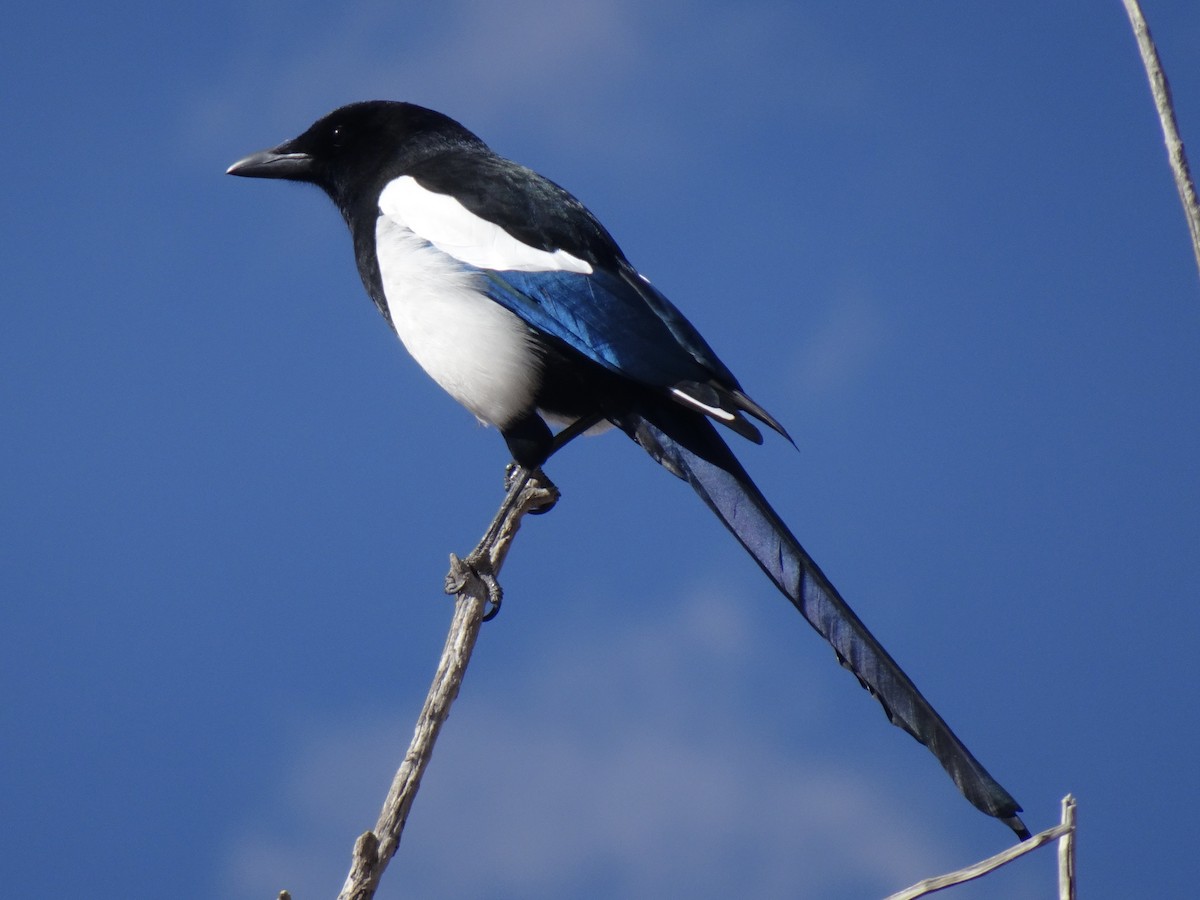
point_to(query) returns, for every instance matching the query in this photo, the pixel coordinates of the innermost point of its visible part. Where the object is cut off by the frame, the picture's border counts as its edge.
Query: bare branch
(970, 873)
(473, 583)
(1166, 115)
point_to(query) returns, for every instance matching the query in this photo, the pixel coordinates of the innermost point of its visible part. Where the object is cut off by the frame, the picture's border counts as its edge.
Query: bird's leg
(560, 440)
(516, 476)
(477, 565)
(572, 431)
(479, 562)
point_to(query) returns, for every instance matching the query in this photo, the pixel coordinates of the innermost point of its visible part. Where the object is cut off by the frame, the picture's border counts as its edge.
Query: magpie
(514, 298)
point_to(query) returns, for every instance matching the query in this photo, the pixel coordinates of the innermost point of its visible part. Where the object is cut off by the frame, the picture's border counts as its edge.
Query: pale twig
(374, 849)
(1066, 852)
(1166, 116)
(930, 885)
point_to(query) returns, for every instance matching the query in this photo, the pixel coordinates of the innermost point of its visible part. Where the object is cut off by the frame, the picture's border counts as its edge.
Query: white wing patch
(715, 411)
(458, 232)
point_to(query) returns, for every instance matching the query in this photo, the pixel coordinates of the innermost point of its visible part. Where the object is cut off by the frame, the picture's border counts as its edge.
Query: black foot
(463, 570)
(511, 474)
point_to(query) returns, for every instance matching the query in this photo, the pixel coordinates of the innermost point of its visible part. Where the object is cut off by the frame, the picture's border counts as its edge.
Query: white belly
(479, 352)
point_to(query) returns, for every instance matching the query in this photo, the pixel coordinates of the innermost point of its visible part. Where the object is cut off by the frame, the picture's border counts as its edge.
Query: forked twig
(1064, 831)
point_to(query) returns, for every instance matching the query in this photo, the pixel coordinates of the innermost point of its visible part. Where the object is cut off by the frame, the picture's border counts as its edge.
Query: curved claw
(495, 610)
(480, 568)
(545, 508)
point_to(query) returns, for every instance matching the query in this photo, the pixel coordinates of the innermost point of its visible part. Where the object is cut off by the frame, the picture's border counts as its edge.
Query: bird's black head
(352, 152)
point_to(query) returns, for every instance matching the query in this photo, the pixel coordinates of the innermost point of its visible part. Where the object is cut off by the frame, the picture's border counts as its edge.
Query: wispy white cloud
(843, 346)
(563, 70)
(604, 775)
(478, 60)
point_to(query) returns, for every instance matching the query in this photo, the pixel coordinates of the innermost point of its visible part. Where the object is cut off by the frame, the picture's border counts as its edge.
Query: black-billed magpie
(518, 302)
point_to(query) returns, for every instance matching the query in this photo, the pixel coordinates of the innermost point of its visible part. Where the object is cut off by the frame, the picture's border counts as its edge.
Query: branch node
(473, 583)
(459, 576)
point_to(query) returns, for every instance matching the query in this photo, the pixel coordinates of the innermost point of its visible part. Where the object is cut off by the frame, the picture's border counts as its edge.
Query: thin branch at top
(1166, 115)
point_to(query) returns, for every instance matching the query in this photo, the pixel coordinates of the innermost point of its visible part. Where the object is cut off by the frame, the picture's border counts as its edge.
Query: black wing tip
(745, 404)
(728, 406)
(744, 427)
(1014, 822)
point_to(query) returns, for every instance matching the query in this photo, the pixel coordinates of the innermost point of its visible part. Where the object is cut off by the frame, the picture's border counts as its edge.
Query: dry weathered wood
(1161, 90)
(969, 873)
(469, 582)
(1066, 852)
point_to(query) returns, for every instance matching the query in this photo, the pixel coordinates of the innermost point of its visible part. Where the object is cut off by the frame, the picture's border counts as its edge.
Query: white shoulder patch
(455, 230)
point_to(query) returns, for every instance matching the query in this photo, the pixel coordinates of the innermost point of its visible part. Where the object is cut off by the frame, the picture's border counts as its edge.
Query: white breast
(479, 352)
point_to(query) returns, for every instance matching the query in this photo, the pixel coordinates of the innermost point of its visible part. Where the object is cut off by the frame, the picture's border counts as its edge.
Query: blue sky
(939, 241)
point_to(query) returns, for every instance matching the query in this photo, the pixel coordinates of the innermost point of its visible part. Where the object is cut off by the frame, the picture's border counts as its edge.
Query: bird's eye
(338, 136)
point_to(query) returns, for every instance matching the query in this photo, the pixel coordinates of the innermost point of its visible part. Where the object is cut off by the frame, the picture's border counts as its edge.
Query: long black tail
(689, 446)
